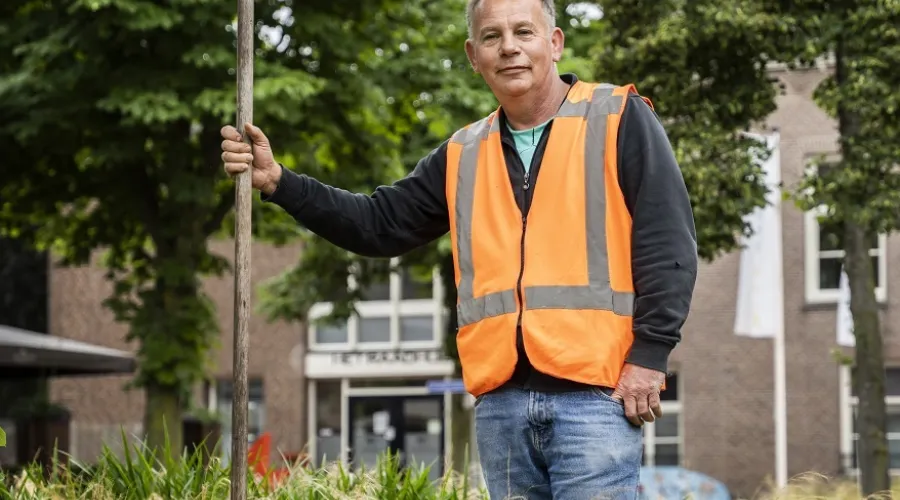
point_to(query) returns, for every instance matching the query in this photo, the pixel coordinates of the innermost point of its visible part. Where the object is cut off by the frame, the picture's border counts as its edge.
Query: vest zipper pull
(525, 187)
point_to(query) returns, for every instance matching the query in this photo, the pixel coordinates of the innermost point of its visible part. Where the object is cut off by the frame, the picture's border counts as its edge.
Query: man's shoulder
(583, 89)
(470, 131)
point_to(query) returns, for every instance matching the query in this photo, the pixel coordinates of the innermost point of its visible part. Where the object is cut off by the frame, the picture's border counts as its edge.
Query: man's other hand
(238, 155)
(638, 389)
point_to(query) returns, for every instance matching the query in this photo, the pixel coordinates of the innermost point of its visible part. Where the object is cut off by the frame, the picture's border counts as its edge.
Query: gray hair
(547, 5)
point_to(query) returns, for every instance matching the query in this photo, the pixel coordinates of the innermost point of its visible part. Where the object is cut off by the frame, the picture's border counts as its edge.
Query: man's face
(513, 46)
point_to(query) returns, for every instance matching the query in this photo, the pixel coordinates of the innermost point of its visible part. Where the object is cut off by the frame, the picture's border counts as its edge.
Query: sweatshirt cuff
(288, 193)
(649, 354)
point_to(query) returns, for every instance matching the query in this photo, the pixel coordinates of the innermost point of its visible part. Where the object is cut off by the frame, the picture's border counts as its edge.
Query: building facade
(380, 381)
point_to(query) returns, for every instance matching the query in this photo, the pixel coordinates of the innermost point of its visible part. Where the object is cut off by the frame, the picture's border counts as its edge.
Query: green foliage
(129, 166)
(863, 185)
(704, 68)
(2, 437)
(140, 475)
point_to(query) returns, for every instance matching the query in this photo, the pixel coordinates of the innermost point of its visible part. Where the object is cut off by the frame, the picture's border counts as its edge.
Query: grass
(815, 486)
(138, 475)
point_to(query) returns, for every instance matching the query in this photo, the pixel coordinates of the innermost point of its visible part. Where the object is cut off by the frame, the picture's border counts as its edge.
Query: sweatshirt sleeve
(664, 242)
(389, 222)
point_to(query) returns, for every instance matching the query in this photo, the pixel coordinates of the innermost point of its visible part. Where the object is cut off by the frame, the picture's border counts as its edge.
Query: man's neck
(532, 109)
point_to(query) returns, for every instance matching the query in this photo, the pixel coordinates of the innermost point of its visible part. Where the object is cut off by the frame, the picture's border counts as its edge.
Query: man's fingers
(231, 133)
(236, 168)
(631, 412)
(254, 132)
(655, 405)
(229, 157)
(643, 409)
(236, 146)
(617, 395)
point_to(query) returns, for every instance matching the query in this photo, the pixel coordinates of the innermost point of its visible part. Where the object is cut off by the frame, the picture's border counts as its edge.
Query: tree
(112, 112)
(859, 194)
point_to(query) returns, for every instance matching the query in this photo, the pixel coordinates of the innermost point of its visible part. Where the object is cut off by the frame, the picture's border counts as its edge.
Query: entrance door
(409, 426)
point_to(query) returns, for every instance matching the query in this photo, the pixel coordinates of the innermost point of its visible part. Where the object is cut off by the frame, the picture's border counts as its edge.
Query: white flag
(760, 298)
(845, 336)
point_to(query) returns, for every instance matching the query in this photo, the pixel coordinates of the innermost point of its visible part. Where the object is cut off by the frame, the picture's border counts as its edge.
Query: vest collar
(506, 136)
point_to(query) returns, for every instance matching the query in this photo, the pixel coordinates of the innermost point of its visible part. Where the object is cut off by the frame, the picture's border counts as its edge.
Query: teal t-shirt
(527, 141)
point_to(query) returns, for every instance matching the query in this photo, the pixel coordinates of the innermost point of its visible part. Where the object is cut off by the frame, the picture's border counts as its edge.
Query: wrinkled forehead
(483, 14)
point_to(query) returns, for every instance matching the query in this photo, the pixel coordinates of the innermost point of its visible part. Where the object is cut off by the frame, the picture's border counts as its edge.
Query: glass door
(411, 427)
(423, 437)
(373, 430)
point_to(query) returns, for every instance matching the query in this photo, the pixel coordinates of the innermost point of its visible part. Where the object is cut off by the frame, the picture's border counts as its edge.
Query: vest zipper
(522, 250)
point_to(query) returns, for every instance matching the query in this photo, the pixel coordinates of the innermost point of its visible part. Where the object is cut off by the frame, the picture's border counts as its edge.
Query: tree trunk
(162, 421)
(869, 373)
(461, 430)
(872, 450)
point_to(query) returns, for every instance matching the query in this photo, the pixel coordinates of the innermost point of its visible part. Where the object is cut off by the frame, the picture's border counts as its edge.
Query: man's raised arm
(389, 222)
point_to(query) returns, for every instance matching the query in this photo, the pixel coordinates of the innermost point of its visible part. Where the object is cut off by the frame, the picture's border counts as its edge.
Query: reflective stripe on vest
(558, 273)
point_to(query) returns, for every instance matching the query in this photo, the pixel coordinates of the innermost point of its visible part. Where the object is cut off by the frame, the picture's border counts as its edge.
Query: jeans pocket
(605, 394)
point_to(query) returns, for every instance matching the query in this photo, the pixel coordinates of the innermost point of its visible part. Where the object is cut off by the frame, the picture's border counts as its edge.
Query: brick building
(718, 413)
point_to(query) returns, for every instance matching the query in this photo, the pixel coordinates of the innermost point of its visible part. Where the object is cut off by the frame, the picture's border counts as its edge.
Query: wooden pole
(242, 206)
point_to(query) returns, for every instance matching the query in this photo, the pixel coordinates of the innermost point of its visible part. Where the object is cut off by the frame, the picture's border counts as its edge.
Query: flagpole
(760, 309)
(778, 356)
(780, 410)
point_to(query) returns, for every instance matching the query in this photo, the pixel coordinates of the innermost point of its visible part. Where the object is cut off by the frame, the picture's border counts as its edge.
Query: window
(848, 417)
(850, 436)
(824, 259)
(331, 333)
(256, 411)
(404, 312)
(663, 439)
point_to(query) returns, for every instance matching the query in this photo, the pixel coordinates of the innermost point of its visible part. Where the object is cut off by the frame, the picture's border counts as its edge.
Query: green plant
(139, 474)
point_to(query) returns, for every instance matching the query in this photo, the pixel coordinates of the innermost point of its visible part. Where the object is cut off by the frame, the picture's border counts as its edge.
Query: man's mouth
(514, 69)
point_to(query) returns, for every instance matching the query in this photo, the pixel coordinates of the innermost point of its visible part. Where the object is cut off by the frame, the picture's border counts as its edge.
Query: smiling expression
(513, 46)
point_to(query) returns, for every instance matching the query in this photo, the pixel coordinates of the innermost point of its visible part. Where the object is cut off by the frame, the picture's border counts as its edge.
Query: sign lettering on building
(405, 356)
(431, 363)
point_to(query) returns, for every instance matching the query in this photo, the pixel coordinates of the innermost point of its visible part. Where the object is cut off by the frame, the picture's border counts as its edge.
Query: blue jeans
(566, 445)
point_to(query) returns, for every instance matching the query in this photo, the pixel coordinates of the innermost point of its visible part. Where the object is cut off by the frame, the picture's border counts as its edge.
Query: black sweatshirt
(413, 212)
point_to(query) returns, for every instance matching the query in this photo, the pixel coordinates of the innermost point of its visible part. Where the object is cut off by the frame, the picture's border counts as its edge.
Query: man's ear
(470, 53)
(558, 41)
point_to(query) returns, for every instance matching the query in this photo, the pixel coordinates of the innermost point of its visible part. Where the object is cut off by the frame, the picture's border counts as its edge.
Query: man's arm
(664, 241)
(390, 222)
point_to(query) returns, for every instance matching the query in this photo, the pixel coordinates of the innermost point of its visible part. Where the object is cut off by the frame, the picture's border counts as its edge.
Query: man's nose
(509, 45)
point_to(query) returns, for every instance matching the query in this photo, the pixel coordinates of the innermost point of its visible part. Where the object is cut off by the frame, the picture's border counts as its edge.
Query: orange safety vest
(564, 273)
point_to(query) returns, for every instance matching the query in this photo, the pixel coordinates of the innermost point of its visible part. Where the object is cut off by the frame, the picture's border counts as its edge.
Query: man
(574, 251)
